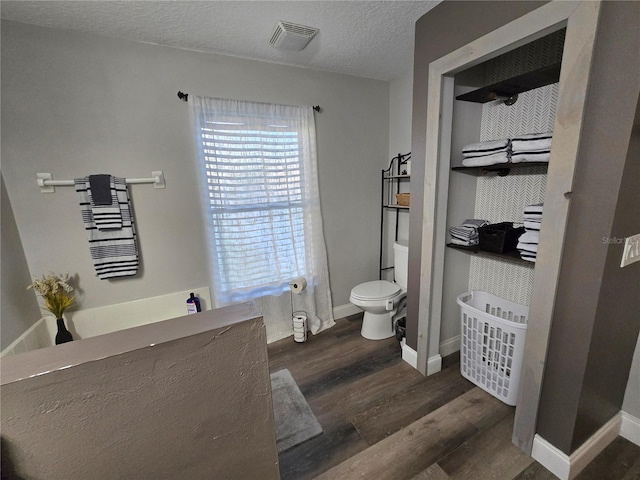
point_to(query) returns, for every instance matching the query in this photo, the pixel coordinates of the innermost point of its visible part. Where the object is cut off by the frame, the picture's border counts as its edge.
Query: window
(256, 195)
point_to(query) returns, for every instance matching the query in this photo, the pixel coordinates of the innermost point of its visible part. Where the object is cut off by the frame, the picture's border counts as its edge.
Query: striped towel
(485, 148)
(486, 160)
(114, 251)
(105, 208)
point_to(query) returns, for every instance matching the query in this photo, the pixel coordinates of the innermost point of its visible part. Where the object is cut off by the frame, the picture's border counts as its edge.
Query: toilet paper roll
(297, 285)
(300, 328)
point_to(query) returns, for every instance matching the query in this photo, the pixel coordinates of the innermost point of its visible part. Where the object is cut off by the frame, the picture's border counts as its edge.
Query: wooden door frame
(580, 20)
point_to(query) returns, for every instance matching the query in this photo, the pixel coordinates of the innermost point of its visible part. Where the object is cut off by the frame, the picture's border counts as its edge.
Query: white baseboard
(342, 311)
(409, 355)
(450, 346)
(434, 365)
(630, 428)
(566, 466)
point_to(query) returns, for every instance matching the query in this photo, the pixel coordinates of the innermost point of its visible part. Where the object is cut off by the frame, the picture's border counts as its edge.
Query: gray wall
(448, 26)
(75, 104)
(114, 407)
(595, 324)
(19, 308)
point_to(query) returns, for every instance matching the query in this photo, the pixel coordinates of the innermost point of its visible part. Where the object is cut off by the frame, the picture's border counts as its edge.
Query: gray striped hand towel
(105, 203)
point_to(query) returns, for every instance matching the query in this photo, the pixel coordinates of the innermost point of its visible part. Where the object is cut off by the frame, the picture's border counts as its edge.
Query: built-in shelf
(512, 256)
(515, 85)
(500, 168)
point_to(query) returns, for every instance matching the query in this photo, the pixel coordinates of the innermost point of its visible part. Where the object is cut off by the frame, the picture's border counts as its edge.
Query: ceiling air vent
(290, 36)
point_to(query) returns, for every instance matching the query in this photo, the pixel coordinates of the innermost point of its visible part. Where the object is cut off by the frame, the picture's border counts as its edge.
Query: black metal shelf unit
(391, 179)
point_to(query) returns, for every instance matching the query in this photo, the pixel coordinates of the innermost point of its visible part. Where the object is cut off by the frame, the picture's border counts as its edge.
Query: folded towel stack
(466, 235)
(486, 153)
(534, 147)
(528, 241)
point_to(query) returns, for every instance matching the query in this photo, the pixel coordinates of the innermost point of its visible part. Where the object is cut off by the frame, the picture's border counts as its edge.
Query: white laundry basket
(492, 337)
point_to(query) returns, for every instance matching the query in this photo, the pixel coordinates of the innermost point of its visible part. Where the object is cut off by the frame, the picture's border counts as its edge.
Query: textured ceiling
(372, 39)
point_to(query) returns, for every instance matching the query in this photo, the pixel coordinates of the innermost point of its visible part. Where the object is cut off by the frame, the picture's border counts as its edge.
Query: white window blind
(256, 202)
(258, 176)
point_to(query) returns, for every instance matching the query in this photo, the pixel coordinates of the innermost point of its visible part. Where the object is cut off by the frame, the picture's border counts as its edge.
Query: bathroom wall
(185, 398)
(19, 308)
(75, 104)
(400, 91)
(595, 323)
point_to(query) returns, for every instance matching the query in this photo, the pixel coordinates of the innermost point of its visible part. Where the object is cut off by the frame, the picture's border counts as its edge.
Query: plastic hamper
(493, 332)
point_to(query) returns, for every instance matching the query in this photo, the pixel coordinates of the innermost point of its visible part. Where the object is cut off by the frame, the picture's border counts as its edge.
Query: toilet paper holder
(299, 318)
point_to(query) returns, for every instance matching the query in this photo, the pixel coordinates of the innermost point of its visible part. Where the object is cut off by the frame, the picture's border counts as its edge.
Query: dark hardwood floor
(381, 419)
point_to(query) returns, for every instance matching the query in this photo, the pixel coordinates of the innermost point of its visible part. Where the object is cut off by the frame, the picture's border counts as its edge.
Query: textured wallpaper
(500, 199)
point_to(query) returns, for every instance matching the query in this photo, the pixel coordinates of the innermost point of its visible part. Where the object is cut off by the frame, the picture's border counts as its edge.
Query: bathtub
(86, 323)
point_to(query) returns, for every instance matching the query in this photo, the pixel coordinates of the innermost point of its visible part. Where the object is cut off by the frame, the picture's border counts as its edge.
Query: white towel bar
(47, 184)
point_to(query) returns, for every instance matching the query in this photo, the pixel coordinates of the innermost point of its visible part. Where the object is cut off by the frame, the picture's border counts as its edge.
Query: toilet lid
(376, 290)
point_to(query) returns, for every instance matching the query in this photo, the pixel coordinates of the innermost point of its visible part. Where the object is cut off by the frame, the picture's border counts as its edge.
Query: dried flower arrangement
(56, 292)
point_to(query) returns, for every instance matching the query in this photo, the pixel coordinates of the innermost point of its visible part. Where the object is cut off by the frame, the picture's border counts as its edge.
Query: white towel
(486, 160)
(530, 236)
(527, 247)
(527, 257)
(463, 243)
(539, 144)
(532, 225)
(534, 208)
(114, 252)
(527, 157)
(485, 148)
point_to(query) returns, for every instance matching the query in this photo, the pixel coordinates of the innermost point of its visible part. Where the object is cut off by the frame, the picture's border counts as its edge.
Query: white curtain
(261, 205)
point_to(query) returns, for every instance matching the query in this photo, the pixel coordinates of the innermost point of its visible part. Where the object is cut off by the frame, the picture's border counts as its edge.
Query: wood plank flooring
(381, 419)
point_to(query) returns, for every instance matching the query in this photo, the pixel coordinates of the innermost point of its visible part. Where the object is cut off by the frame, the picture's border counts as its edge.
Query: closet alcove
(556, 32)
(498, 193)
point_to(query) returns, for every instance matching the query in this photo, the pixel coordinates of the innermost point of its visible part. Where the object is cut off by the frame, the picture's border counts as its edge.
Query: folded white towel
(529, 258)
(527, 157)
(533, 136)
(463, 243)
(534, 208)
(475, 222)
(531, 145)
(485, 161)
(527, 247)
(530, 236)
(532, 225)
(485, 148)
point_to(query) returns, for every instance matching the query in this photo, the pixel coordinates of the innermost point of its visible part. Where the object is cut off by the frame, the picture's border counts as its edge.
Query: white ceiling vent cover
(290, 36)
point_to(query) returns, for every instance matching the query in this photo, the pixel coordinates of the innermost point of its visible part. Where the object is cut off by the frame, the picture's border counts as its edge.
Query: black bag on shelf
(499, 237)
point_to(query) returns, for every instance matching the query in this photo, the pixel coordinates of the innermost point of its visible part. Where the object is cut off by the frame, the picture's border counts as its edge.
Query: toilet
(383, 302)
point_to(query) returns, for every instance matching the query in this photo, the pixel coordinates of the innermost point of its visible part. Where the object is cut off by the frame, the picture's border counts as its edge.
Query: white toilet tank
(401, 263)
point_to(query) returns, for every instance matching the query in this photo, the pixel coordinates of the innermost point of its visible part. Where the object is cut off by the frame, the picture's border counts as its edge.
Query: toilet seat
(376, 290)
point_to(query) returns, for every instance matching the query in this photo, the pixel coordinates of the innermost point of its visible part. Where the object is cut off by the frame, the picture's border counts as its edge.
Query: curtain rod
(185, 97)
(47, 184)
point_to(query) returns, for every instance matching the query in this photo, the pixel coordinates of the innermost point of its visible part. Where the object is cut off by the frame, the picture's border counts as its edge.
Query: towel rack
(47, 184)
